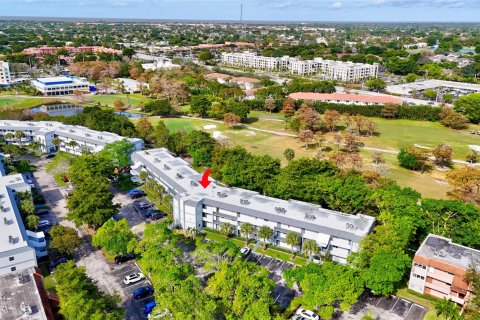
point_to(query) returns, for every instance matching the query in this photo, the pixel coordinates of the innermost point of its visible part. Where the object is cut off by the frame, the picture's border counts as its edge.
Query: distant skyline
(256, 10)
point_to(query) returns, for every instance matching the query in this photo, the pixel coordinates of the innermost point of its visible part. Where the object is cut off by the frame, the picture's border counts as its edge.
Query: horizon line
(231, 21)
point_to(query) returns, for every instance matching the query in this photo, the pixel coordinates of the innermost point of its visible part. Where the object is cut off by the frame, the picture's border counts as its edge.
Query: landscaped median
(240, 242)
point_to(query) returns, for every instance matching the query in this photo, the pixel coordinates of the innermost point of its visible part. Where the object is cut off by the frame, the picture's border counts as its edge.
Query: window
(418, 276)
(420, 266)
(13, 268)
(11, 258)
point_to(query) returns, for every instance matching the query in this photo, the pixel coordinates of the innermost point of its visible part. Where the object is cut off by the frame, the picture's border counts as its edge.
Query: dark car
(143, 205)
(50, 155)
(123, 258)
(149, 307)
(55, 262)
(156, 215)
(42, 212)
(147, 213)
(136, 193)
(142, 292)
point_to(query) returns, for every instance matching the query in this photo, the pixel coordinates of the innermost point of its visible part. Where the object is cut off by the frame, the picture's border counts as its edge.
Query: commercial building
(458, 88)
(346, 98)
(196, 207)
(57, 86)
(72, 139)
(325, 69)
(4, 73)
(439, 269)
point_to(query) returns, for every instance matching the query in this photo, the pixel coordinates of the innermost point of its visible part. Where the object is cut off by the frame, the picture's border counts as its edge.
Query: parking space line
(131, 271)
(395, 304)
(280, 267)
(268, 265)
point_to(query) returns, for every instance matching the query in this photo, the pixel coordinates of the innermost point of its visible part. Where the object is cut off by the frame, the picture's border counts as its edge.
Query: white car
(316, 259)
(307, 314)
(245, 251)
(134, 277)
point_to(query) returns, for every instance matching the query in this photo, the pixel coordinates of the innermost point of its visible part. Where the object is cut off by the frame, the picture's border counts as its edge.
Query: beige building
(4, 73)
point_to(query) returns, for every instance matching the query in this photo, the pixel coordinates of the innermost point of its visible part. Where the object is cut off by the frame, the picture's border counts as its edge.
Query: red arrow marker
(205, 182)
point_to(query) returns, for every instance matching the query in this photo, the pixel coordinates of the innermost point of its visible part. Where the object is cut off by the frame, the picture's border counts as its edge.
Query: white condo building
(4, 73)
(19, 248)
(195, 207)
(73, 139)
(325, 69)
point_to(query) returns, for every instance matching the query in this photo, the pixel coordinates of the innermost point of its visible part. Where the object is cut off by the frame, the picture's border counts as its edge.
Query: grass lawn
(282, 256)
(134, 100)
(23, 102)
(431, 314)
(47, 277)
(58, 167)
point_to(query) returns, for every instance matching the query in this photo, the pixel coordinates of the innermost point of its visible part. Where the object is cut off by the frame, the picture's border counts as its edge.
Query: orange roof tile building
(346, 98)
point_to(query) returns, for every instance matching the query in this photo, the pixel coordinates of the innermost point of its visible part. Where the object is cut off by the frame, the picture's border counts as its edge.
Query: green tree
(56, 142)
(265, 233)
(160, 135)
(80, 299)
(64, 239)
(158, 107)
(118, 153)
(293, 240)
(144, 128)
(289, 154)
(412, 158)
(205, 56)
(247, 230)
(430, 94)
(114, 236)
(200, 105)
(469, 106)
(448, 310)
(310, 247)
(376, 84)
(200, 146)
(33, 221)
(226, 229)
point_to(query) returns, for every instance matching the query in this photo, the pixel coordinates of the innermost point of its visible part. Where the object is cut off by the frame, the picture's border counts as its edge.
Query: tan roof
(344, 97)
(244, 80)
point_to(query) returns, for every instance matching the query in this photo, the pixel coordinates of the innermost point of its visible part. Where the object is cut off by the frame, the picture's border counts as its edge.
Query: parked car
(156, 215)
(144, 205)
(50, 156)
(316, 259)
(149, 307)
(147, 213)
(142, 292)
(136, 193)
(55, 262)
(44, 225)
(42, 212)
(123, 258)
(245, 251)
(134, 277)
(307, 314)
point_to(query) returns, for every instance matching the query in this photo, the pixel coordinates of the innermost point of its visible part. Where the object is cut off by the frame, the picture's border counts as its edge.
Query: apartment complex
(439, 269)
(4, 73)
(57, 86)
(325, 69)
(72, 139)
(346, 98)
(41, 51)
(196, 207)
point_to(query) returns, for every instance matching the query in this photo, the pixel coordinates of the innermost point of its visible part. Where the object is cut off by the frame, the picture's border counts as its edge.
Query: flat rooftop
(407, 88)
(64, 130)
(444, 250)
(178, 173)
(18, 294)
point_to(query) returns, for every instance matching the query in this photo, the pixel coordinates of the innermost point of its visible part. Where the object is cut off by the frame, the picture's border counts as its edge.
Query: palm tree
(19, 135)
(34, 145)
(33, 221)
(289, 154)
(226, 229)
(9, 136)
(56, 142)
(265, 233)
(448, 309)
(72, 144)
(310, 247)
(292, 240)
(246, 229)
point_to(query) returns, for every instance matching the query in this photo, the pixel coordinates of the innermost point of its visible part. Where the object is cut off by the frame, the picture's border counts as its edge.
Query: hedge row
(421, 112)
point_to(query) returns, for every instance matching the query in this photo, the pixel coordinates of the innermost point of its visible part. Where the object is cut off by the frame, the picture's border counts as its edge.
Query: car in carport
(142, 292)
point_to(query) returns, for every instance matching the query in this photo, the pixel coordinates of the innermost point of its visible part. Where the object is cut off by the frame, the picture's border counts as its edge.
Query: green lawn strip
(425, 301)
(214, 236)
(59, 180)
(47, 277)
(30, 102)
(133, 100)
(282, 255)
(266, 115)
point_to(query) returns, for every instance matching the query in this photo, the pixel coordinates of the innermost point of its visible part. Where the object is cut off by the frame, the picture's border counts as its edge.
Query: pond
(129, 114)
(58, 109)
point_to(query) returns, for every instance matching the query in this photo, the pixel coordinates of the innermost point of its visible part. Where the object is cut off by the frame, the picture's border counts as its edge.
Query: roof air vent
(157, 160)
(310, 216)
(244, 202)
(280, 210)
(221, 194)
(166, 167)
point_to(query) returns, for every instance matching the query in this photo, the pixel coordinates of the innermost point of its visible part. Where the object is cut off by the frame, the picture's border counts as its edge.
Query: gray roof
(295, 213)
(443, 249)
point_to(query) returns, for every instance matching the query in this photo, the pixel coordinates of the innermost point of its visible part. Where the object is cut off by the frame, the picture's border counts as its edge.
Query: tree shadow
(250, 120)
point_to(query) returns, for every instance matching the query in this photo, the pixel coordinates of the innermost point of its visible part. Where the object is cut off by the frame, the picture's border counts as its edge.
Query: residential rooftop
(345, 97)
(20, 297)
(444, 250)
(177, 173)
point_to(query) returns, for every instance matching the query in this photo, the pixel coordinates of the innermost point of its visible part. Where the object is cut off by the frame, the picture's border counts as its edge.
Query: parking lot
(134, 306)
(282, 293)
(384, 308)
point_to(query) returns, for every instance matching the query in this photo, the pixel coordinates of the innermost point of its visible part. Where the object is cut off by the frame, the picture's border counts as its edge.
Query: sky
(263, 10)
